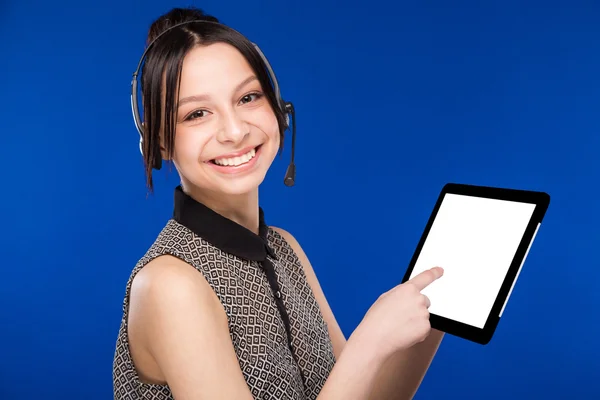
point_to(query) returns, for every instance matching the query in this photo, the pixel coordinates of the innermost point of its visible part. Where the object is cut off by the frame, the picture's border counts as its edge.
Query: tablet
(480, 236)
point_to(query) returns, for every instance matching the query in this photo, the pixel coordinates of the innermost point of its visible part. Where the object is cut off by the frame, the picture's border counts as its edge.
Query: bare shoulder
(337, 337)
(164, 289)
(168, 278)
(161, 294)
(179, 333)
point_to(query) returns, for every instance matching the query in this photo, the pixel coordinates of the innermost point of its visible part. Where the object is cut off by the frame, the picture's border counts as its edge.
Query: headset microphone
(290, 174)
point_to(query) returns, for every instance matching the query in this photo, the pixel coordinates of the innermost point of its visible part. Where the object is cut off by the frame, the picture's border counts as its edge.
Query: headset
(286, 107)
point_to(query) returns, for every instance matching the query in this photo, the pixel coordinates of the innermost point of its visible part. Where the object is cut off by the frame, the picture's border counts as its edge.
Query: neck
(242, 209)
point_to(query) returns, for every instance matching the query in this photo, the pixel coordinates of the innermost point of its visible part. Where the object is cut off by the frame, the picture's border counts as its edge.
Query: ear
(163, 154)
(163, 150)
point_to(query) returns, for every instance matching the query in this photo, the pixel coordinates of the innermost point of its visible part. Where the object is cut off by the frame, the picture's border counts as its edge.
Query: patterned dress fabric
(278, 332)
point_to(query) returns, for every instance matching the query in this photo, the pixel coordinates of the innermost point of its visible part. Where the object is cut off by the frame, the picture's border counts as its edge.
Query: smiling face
(227, 134)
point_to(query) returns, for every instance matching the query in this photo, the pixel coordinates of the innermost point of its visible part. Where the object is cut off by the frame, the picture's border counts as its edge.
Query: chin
(241, 186)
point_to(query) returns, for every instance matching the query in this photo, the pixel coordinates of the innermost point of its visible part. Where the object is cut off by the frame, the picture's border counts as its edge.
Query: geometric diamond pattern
(255, 326)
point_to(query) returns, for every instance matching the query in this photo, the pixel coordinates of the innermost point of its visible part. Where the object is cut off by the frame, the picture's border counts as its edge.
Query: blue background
(392, 100)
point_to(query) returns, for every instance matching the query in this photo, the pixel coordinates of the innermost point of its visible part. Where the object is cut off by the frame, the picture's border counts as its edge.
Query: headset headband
(286, 107)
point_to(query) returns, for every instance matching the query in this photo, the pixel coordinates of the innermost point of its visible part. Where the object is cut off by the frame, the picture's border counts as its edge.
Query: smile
(237, 165)
(236, 161)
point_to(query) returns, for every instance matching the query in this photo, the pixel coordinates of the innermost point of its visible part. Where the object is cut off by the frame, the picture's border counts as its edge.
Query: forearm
(402, 373)
(355, 372)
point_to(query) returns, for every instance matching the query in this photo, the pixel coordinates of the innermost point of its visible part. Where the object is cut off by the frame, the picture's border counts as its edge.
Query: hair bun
(177, 16)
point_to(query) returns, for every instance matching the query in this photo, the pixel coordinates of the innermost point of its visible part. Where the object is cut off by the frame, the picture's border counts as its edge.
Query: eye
(195, 115)
(249, 97)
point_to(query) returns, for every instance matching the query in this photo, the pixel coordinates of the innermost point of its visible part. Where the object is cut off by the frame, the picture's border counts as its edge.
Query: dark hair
(161, 75)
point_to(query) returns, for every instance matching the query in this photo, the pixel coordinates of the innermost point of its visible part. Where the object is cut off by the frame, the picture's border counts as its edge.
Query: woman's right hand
(399, 318)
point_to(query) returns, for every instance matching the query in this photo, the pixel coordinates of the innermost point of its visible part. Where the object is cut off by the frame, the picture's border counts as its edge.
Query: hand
(399, 319)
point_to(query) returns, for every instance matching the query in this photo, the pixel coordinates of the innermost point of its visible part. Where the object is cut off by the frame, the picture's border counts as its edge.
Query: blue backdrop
(392, 100)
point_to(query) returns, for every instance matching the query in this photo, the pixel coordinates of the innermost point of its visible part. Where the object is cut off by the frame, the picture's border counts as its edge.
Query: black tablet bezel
(541, 201)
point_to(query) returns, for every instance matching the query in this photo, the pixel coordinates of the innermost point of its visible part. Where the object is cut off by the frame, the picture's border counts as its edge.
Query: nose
(233, 128)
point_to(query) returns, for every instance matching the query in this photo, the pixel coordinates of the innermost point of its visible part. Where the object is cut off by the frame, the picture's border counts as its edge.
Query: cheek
(273, 129)
(265, 120)
(188, 147)
(279, 134)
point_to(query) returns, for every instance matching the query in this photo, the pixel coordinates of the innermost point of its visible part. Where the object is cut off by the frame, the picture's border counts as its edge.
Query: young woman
(224, 306)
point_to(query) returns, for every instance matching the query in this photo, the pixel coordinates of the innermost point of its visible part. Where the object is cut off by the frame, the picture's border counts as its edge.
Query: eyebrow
(203, 97)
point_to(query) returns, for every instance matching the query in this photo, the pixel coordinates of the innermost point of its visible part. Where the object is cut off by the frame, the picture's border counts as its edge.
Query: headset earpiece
(287, 110)
(141, 138)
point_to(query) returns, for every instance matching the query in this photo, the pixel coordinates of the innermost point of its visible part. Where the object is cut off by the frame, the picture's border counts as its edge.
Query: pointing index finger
(427, 277)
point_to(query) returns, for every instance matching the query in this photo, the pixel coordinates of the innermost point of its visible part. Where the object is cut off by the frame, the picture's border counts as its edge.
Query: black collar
(220, 231)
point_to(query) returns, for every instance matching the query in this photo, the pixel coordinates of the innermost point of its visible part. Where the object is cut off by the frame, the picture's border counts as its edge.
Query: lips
(236, 161)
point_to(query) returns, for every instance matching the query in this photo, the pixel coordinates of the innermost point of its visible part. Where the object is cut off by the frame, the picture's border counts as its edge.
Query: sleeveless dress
(275, 324)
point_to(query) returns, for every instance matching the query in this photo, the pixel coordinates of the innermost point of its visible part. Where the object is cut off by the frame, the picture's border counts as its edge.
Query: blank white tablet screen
(474, 240)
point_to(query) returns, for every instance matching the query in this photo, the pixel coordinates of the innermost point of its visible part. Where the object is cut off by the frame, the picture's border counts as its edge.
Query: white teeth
(236, 161)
